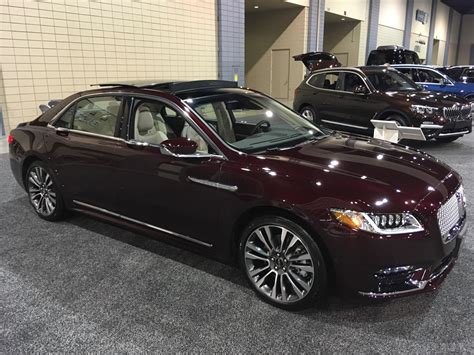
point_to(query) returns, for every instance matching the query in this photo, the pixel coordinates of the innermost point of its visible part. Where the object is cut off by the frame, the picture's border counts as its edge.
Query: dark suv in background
(392, 55)
(349, 98)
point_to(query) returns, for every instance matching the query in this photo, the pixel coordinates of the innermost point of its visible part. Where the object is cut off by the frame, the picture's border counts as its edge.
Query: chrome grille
(450, 213)
(457, 113)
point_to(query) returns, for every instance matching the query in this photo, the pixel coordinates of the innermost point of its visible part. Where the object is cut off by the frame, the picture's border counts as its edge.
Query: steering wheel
(263, 125)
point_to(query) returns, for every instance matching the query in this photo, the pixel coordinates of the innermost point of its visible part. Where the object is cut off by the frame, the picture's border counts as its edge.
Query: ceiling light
(256, 7)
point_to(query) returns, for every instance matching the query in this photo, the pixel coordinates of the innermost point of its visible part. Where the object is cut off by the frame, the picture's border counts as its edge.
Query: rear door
(84, 149)
(325, 97)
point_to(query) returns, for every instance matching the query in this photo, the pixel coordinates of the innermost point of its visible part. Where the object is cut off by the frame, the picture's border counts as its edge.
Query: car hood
(363, 173)
(429, 98)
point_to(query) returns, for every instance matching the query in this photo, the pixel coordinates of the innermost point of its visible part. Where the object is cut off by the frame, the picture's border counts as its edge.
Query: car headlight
(423, 110)
(379, 223)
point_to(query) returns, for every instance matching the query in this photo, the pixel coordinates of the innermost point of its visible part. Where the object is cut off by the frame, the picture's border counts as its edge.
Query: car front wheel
(283, 263)
(43, 192)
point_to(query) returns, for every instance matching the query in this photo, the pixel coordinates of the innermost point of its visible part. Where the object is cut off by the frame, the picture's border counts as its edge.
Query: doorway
(434, 58)
(280, 73)
(342, 38)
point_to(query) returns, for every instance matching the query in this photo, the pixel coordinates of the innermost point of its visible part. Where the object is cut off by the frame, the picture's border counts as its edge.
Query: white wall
(420, 31)
(466, 39)
(391, 22)
(343, 37)
(48, 51)
(392, 13)
(272, 30)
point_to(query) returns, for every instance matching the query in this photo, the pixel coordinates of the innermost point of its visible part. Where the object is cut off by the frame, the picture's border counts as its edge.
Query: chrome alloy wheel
(279, 264)
(40, 190)
(308, 114)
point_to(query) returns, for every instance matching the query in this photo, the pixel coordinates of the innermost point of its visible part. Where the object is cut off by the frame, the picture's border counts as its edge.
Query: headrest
(145, 121)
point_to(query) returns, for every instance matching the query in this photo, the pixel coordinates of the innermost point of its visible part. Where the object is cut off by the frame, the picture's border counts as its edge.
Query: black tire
(397, 118)
(309, 113)
(288, 264)
(43, 192)
(447, 139)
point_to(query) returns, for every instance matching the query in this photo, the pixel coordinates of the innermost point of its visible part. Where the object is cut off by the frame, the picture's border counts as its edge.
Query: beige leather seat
(190, 133)
(145, 130)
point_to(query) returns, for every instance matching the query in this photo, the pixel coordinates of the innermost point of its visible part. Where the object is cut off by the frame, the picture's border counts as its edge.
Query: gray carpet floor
(82, 285)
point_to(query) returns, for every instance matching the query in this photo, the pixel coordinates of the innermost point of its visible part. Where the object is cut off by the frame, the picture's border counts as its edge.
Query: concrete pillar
(316, 25)
(408, 24)
(448, 37)
(429, 49)
(231, 40)
(373, 26)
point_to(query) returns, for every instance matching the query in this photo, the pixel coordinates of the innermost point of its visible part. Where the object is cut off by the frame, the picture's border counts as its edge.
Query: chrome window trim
(73, 102)
(217, 185)
(344, 124)
(131, 141)
(85, 133)
(185, 116)
(326, 71)
(151, 226)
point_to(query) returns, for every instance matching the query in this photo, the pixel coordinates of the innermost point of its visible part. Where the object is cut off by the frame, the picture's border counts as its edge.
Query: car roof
(171, 86)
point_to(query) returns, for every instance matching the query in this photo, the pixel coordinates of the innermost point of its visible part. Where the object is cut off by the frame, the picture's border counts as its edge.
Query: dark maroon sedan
(233, 174)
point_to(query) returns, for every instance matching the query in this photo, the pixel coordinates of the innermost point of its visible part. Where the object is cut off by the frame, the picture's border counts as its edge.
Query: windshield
(391, 80)
(252, 122)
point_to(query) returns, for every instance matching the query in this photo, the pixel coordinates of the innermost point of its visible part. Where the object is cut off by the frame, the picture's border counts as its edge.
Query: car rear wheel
(282, 263)
(309, 113)
(43, 193)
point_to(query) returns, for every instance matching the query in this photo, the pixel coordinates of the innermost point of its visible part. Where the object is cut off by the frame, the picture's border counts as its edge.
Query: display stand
(391, 131)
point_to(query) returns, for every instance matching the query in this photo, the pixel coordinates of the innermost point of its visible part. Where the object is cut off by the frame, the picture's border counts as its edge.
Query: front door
(172, 194)
(85, 150)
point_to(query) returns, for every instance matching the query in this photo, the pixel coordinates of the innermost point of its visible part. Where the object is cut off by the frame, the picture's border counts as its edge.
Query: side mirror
(178, 147)
(361, 90)
(446, 82)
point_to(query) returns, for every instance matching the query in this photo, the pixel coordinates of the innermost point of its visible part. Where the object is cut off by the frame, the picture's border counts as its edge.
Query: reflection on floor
(3, 145)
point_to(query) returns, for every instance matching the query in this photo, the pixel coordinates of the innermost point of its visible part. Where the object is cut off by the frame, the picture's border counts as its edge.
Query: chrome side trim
(151, 226)
(453, 134)
(344, 124)
(354, 71)
(430, 126)
(217, 185)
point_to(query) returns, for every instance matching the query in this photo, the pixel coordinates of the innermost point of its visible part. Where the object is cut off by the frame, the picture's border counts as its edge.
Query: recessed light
(343, 19)
(256, 7)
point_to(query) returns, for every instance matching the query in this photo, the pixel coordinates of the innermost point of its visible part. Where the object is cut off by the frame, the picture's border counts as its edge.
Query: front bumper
(450, 129)
(409, 279)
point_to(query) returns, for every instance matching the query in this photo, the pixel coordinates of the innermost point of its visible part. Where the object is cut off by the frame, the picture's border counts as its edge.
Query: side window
(97, 115)
(351, 81)
(330, 81)
(428, 76)
(155, 122)
(408, 72)
(317, 80)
